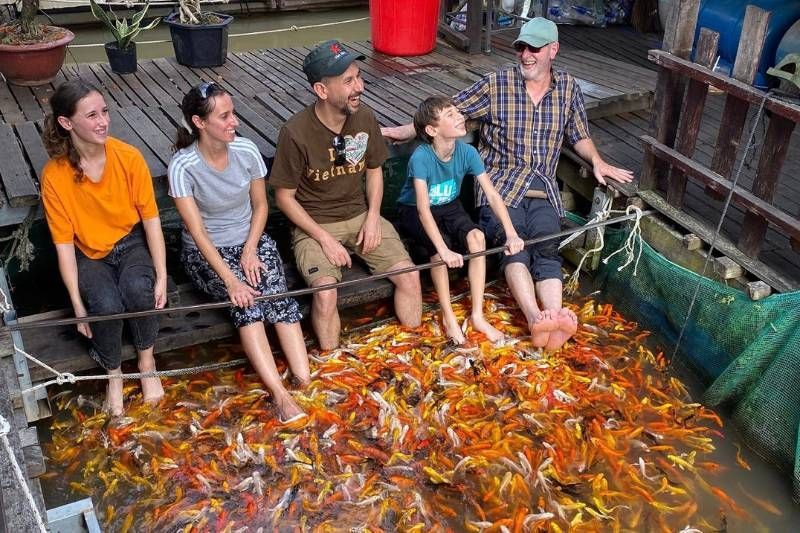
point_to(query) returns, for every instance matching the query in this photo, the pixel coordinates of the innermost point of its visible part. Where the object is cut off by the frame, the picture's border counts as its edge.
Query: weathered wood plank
(742, 197)
(691, 115)
(153, 137)
(8, 106)
(20, 188)
(773, 154)
(119, 129)
(33, 146)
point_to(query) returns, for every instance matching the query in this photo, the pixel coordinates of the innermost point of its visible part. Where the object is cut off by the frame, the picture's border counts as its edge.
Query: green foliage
(124, 32)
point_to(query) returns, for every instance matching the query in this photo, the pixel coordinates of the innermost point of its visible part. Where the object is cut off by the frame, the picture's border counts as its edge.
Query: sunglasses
(340, 149)
(521, 47)
(207, 89)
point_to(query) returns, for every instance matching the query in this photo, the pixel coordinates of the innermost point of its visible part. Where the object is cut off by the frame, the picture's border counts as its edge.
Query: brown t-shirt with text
(305, 158)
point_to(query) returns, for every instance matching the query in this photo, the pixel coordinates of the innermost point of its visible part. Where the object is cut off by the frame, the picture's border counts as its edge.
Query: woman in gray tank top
(218, 182)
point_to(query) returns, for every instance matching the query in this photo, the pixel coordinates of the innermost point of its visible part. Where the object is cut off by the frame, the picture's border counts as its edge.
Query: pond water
(334, 21)
(406, 432)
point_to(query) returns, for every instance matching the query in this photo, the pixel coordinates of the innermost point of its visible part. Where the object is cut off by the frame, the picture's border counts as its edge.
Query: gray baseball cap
(328, 58)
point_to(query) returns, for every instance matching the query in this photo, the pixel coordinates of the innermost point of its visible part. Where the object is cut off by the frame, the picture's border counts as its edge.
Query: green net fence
(745, 353)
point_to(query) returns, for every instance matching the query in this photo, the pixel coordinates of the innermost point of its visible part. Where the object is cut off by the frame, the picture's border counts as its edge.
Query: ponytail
(199, 102)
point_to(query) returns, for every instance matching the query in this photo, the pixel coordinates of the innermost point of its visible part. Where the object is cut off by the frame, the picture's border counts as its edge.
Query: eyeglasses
(521, 47)
(340, 149)
(207, 89)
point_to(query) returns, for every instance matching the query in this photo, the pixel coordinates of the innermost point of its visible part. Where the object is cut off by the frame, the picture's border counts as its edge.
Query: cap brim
(532, 41)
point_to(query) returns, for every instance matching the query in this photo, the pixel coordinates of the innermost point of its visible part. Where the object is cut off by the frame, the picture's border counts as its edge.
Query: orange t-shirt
(94, 216)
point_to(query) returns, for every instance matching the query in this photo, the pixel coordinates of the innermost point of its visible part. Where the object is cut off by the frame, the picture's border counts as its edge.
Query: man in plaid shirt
(524, 113)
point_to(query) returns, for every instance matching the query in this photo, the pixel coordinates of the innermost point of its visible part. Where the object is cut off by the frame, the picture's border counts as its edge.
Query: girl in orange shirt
(101, 210)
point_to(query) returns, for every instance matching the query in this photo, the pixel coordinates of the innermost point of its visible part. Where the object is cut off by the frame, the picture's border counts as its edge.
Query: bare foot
(113, 404)
(542, 327)
(479, 323)
(567, 326)
(453, 330)
(288, 410)
(152, 391)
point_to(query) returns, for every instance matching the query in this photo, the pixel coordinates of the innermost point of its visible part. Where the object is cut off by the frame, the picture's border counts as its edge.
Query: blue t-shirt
(443, 178)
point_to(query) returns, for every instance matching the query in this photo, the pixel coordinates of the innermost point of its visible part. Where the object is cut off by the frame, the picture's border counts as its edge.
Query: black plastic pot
(199, 45)
(121, 61)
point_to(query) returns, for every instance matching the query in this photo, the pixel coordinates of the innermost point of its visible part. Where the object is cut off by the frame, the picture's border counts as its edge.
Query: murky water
(407, 433)
(349, 31)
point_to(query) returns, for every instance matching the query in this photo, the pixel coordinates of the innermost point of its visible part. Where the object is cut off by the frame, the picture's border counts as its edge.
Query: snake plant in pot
(121, 52)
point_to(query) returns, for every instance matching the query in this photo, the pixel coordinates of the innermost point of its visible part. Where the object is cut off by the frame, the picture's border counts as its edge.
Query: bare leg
(441, 283)
(152, 391)
(254, 342)
(522, 288)
(407, 296)
(113, 404)
(477, 282)
(325, 315)
(290, 335)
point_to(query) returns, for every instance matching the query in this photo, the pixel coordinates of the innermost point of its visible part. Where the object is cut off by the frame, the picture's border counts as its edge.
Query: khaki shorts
(313, 264)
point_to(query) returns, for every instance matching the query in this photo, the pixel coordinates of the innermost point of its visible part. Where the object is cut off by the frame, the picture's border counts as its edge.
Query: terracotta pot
(34, 64)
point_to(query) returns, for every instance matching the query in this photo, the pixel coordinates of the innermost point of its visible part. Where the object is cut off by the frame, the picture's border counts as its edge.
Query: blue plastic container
(727, 18)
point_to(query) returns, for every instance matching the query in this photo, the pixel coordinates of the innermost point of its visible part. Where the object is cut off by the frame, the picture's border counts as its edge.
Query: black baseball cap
(329, 58)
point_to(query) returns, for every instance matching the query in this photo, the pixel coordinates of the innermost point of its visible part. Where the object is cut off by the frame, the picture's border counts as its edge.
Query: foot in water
(479, 323)
(152, 391)
(113, 404)
(288, 410)
(567, 326)
(453, 330)
(542, 327)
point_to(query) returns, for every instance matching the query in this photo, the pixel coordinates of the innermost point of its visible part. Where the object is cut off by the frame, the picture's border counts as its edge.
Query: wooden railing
(679, 103)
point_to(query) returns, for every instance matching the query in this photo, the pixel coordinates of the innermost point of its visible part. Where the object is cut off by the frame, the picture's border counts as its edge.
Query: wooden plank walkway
(268, 87)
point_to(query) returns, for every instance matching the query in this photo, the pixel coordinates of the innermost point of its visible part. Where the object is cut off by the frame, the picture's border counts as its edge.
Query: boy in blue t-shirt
(431, 214)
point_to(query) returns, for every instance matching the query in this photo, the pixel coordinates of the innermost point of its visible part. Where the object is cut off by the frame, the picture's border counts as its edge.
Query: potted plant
(199, 39)
(32, 53)
(121, 52)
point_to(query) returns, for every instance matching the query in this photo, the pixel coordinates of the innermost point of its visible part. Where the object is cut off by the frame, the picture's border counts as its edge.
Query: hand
(83, 327)
(603, 170)
(251, 266)
(452, 259)
(399, 134)
(370, 234)
(240, 293)
(335, 252)
(160, 292)
(514, 245)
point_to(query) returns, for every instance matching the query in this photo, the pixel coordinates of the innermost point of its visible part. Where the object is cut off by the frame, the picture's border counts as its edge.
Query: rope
(713, 243)
(628, 247)
(67, 377)
(5, 429)
(311, 290)
(246, 34)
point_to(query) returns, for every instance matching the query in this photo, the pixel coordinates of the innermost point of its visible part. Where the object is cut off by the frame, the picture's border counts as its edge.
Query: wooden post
(734, 116)
(678, 37)
(474, 24)
(773, 154)
(691, 115)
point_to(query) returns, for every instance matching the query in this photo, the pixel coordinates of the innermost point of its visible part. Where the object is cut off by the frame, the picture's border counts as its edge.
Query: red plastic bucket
(401, 28)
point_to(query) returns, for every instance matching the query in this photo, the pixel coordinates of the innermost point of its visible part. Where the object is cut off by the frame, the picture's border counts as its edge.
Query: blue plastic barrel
(727, 18)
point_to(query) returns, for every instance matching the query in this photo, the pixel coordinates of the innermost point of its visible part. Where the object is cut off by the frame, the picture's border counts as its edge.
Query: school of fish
(408, 433)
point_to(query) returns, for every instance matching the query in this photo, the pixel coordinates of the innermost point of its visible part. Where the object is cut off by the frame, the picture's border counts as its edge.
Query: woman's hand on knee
(240, 293)
(83, 327)
(251, 266)
(160, 293)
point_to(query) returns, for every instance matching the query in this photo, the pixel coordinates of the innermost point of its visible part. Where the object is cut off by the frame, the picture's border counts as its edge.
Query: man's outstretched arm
(602, 170)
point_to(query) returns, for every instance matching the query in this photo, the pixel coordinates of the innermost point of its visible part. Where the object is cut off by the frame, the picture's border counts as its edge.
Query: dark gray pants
(119, 282)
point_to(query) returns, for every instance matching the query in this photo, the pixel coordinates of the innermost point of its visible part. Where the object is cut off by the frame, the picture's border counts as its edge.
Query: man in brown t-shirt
(325, 152)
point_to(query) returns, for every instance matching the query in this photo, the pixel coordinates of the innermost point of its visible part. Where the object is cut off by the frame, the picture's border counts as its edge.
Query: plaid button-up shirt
(521, 142)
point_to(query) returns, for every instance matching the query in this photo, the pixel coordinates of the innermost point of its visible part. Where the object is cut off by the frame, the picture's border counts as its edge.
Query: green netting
(746, 353)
